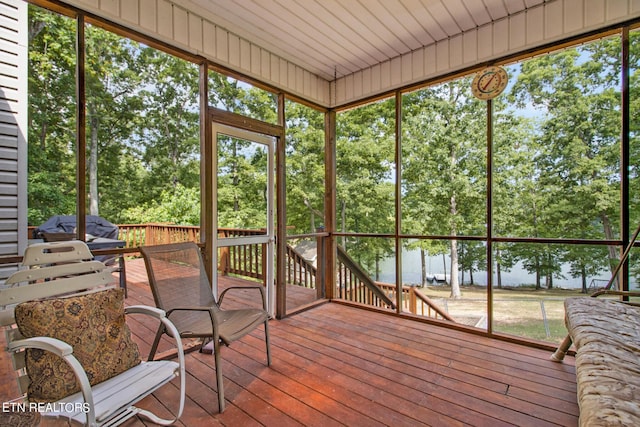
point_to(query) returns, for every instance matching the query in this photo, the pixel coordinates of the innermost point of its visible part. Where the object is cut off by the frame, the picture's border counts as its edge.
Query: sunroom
(410, 180)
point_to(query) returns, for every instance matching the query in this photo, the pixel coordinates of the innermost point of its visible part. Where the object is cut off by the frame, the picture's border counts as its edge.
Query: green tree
(634, 166)
(242, 165)
(444, 166)
(578, 151)
(515, 180)
(176, 205)
(364, 174)
(52, 122)
(242, 184)
(304, 168)
(168, 138)
(112, 79)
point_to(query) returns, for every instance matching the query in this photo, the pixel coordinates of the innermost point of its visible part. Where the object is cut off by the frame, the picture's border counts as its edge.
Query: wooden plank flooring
(340, 365)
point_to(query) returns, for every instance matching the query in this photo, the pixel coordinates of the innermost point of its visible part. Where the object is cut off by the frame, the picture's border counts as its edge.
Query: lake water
(516, 277)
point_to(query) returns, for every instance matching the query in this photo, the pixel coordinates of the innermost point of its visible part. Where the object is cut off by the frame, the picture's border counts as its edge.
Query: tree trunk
(236, 177)
(444, 266)
(312, 213)
(423, 268)
(94, 202)
(498, 271)
(614, 254)
(549, 272)
(455, 284)
(344, 223)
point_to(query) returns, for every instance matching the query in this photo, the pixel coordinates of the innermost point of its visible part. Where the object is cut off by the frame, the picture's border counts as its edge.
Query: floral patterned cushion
(93, 324)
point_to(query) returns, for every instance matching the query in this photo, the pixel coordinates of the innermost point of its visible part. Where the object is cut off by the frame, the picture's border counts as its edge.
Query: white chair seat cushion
(118, 392)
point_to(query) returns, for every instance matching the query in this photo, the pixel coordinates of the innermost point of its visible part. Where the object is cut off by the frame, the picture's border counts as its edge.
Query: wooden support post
(320, 272)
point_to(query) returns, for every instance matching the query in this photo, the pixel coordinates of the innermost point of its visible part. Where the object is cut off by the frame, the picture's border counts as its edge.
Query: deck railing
(419, 303)
(242, 260)
(353, 284)
(300, 271)
(135, 235)
(413, 301)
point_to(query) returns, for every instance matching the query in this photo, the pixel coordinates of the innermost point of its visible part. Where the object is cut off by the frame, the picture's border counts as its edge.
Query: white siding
(168, 22)
(13, 125)
(543, 24)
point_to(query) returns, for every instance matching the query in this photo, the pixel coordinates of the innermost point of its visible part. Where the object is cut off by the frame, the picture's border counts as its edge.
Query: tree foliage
(577, 156)
(52, 116)
(304, 168)
(365, 165)
(555, 154)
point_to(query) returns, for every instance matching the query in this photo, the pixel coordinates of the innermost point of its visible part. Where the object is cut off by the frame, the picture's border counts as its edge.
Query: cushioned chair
(181, 287)
(70, 344)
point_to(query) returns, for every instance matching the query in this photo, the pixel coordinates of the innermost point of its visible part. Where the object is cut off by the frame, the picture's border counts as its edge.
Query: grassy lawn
(524, 312)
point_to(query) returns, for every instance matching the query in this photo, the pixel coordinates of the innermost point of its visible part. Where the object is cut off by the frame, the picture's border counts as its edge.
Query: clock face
(489, 83)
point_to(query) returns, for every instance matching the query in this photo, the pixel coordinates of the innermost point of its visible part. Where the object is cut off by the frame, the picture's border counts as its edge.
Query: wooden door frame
(216, 115)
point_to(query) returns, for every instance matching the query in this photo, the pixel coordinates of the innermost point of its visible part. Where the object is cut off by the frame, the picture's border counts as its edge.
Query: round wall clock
(489, 83)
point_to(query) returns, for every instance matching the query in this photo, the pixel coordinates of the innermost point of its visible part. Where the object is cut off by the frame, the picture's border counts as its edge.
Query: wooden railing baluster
(248, 261)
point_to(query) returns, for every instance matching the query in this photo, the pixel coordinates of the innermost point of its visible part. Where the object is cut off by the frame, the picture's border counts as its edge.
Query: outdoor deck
(339, 365)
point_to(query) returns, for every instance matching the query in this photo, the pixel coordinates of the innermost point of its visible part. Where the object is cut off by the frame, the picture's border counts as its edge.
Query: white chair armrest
(173, 331)
(55, 346)
(65, 351)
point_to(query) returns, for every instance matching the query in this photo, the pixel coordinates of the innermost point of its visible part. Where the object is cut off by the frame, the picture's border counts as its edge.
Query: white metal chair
(63, 277)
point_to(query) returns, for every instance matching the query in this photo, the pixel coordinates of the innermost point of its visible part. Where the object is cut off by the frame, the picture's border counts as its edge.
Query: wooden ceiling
(335, 38)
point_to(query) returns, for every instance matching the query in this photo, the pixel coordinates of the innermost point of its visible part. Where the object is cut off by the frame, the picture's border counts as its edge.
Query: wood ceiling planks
(340, 37)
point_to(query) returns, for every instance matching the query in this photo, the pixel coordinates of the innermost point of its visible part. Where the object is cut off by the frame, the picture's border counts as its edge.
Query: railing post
(147, 236)
(320, 266)
(413, 301)
(223, 261)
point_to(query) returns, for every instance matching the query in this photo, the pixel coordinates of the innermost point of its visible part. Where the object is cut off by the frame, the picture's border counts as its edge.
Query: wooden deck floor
(339, 365)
